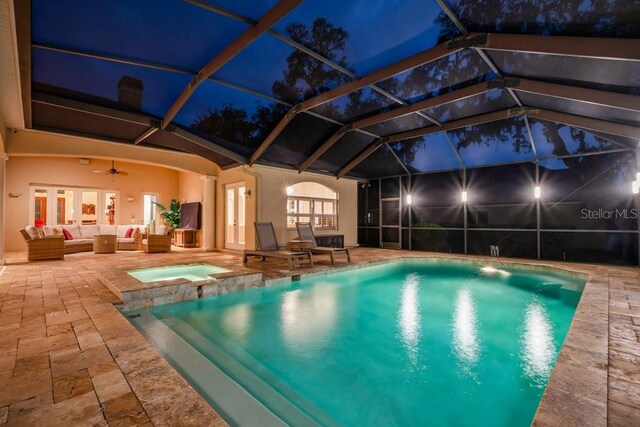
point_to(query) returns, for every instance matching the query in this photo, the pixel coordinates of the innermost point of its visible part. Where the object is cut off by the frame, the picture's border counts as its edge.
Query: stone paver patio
(69, 357)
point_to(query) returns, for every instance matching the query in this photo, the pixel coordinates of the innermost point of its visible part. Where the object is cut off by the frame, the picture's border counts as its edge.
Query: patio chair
(268, 248)
(305, 232)
(41, 248)
(161, 242)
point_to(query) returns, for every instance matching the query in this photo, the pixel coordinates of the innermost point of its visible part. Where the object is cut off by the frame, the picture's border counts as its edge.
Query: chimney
(130, 92)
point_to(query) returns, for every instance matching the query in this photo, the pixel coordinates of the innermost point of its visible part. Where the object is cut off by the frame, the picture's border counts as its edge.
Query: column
(3, 194)
(209, 213)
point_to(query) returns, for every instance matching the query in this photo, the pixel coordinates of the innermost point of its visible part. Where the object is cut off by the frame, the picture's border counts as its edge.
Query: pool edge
(570, 397)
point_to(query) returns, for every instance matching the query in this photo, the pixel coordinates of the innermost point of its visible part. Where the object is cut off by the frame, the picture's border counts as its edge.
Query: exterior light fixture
(536, 192)
(289, 191)
(464, 197)
(634, 187)
(409, 199)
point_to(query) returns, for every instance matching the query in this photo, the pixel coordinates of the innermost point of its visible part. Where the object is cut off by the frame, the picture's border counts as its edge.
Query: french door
(235, 215)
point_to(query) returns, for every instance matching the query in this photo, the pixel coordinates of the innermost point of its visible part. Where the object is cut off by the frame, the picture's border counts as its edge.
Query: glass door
(64, 206)
(40, 207)
(89, 207)
(235, 216)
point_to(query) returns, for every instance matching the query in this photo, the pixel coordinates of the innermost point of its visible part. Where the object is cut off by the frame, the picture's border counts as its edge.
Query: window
(313, 203)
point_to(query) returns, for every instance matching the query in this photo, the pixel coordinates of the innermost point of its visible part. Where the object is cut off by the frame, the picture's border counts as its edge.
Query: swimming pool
(193, 272)
(405, 343)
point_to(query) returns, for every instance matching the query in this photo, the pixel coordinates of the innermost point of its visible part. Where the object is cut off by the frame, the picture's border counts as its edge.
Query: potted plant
(170, 216)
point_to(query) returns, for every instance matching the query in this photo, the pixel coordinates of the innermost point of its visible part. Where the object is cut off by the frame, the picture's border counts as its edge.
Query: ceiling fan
(112, 170)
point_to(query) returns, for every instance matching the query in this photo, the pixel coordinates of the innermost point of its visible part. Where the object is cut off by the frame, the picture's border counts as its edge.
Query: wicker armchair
(51, 247)
(156, 243)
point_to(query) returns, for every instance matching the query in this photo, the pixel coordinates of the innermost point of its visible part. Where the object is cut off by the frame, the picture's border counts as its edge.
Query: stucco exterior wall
(69, 173)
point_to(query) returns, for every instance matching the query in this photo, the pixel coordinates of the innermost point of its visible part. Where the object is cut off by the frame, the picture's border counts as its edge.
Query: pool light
(536, 192)
(489, 270)
(464, 197)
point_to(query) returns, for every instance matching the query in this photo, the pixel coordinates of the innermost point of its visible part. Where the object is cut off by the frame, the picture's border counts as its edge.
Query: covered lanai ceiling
(355, 88)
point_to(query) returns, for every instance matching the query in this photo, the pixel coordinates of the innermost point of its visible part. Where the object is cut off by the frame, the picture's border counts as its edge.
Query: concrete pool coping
(577, 389)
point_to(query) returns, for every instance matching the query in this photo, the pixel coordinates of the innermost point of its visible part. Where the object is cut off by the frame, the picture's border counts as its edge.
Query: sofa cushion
(121, 230)
(32, 232)
(67, 234)
(72, 242)
(108, 229)
(74, 229)
(126, 240)
(164, 230)
(88, 231)
(52, 230)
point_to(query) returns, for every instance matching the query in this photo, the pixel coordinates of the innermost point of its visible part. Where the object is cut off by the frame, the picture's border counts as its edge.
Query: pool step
(223, 384)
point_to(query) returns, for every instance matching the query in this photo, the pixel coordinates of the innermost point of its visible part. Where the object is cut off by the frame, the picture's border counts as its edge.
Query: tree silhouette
(600, 17)
(603, 18)
(304, 77)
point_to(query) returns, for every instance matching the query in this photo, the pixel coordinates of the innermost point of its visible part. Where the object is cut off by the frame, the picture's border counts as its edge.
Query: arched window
(313, 203)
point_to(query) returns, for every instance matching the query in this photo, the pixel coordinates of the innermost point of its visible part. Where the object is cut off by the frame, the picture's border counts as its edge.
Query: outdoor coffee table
(104, 243)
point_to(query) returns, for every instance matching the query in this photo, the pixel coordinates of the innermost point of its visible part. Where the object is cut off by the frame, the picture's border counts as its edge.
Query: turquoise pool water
(193, 272)
(406, 343)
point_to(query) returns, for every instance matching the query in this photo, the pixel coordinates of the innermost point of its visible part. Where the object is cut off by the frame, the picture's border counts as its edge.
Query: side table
(300, 245)
(185, 237)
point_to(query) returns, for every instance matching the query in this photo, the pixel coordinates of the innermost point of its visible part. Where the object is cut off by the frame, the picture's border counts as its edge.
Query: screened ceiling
(343, 87)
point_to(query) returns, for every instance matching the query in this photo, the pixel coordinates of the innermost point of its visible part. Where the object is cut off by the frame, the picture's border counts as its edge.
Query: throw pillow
(40, 233)
(32, 232)
(128, 234)
(67, 234)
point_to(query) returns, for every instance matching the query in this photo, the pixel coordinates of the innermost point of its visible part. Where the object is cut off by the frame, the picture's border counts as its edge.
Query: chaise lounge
(269, 248)
(305, 232)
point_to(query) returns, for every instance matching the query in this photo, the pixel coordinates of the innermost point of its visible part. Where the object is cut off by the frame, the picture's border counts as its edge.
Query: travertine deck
(68, 357)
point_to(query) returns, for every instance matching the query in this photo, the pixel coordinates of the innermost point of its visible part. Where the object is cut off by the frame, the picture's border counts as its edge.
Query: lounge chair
(268, 248)
(305, 232)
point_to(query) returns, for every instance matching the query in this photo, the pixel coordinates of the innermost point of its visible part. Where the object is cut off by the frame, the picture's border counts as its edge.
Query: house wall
(268, 202)
(273, 201)
(233, 176)
(191, 189)
(68, 172)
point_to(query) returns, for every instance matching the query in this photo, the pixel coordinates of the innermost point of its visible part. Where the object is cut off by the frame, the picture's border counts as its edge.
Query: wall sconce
(536, 192)
(635, 188)
(464, 197)
(289, 191)
(247, 193)
(409, 199)
(130, 199)
(14, 195)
